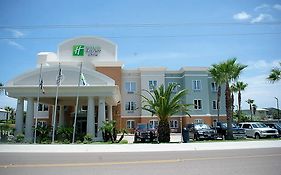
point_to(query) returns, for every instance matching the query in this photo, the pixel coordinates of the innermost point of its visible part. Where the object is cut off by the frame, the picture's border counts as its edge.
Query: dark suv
(238, 133)
(201, 132)
(145, 133)
(275, 126)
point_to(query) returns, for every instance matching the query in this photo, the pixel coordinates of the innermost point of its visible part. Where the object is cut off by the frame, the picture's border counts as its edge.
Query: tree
(239, 86)
(275, 74)
(163, 103)
(251, 102)
(11, 112)
(217, 77)
(109, 132)
(230, 71)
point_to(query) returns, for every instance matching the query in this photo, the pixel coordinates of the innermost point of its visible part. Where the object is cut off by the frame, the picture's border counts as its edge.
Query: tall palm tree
(251, 102)
(163, 103)
(217, 77)
(230, 71)
(240, 86)
(275, 74)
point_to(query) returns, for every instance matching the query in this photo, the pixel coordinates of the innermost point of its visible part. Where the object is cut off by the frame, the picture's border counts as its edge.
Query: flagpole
(76, 106)
(56, 103)
(38, 98)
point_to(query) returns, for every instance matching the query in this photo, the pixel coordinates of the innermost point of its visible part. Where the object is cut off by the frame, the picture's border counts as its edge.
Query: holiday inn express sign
(82, 50)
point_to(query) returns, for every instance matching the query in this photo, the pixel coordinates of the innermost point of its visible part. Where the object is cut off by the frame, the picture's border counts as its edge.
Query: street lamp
(277, 105)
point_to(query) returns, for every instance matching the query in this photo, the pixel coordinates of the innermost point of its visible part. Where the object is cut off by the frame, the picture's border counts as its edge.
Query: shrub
(88, 138)
(19, 138)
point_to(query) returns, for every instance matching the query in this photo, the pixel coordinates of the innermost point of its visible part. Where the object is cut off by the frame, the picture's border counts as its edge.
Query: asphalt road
(230, 162)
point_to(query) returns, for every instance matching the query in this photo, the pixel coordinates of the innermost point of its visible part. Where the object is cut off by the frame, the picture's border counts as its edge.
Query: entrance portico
(100, 91)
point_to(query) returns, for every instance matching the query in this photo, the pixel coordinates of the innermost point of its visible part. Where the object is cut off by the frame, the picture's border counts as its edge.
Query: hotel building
(108, 91)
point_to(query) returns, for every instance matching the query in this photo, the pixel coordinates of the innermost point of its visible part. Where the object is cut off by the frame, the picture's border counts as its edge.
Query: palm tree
(251, 102)
(217, 77)
(275, 74)
(230, 71)
(163, 103)
(240, 86)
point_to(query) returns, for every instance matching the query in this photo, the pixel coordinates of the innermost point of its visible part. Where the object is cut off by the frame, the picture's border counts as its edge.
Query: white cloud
(260, 90)
(277, 6)
(264, 7)
(242, 16)
(262, 64)
(262, 18)
(16, 33)
(15, 44)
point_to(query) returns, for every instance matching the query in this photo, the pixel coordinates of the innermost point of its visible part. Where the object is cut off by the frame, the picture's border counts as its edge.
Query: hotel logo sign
(82, 50)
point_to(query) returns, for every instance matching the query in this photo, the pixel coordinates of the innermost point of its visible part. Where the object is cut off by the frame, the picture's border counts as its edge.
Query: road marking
(132, 162)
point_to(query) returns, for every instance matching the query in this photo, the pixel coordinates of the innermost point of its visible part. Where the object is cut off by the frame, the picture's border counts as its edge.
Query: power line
(136, 25)
(150, 36)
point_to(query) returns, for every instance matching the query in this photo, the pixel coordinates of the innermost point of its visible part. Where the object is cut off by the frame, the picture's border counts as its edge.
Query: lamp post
(277, 105)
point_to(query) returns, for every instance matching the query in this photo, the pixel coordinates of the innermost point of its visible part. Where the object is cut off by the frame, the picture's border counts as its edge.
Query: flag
(83, 80)
(41, 86)
(59, 77)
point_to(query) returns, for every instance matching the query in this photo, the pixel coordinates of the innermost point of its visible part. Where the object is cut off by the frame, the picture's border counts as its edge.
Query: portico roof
(98, 84)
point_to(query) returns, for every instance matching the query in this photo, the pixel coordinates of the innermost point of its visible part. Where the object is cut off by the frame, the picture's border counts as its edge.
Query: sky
(150, 33)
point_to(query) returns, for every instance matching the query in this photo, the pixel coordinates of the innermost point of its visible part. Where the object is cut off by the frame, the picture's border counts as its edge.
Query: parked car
(258, 130)
(201, 132)
(275, 126)
(221, 128)
(145, 133)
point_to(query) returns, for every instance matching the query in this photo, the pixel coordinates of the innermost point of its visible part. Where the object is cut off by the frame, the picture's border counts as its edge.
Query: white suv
(258, 130)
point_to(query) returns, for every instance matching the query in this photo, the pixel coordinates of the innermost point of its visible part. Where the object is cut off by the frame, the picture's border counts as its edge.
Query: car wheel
(257, 136)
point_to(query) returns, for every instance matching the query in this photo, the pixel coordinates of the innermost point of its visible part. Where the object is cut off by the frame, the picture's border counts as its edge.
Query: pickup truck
(221, 128)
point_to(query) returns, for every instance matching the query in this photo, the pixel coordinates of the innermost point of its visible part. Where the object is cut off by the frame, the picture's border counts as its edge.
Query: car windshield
(201, 126)
(259, 125)
(142, 127)
(278, 125)
(225, 125)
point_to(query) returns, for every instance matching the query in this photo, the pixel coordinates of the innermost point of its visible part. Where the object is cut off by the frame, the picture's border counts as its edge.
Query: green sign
(78, 50)
(81, 50)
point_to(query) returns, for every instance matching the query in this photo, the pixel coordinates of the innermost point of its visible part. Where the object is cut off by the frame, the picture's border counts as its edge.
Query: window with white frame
(43, 107)
(130, 106)
(130, 124)
(152, 84)
(197, 104)
(154, 123)
(175, 90)
(174, 124)
(196, 85)
(130, 87)
(42, 123)
(214, 87)
(214, 104)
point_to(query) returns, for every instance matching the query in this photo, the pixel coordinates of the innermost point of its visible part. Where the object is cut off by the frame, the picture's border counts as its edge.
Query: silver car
(258, 130)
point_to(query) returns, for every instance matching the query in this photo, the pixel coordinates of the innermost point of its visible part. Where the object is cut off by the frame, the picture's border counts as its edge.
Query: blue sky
(150, 33)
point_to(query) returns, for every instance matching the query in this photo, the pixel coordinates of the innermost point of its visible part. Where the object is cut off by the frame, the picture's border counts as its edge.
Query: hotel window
(42, 107)
(130, 106)
(214, 104)
(130, 87)
(130, 124)
(197, 104)
(174, 124)
(153, 123)
(214, 87)
(152, 85)
(196, 85)
(175, 90)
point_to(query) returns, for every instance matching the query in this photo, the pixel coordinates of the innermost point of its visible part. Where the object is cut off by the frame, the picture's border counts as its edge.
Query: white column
(19, 115)
(109, 112)
(101, 115)
(91, 117)
(61, 116)
(29, 120)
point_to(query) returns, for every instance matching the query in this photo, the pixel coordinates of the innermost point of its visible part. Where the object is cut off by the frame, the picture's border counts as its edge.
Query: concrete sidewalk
(66, 148)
